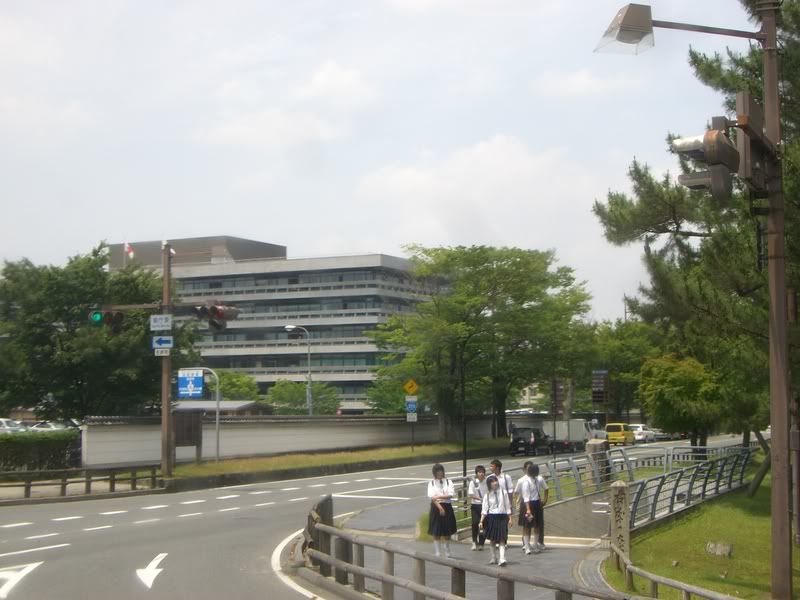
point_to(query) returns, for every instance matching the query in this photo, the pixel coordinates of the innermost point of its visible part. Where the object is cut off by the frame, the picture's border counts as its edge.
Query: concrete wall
(118, 443)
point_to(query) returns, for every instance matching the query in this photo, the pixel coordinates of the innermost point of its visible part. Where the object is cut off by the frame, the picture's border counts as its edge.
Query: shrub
(35, 451)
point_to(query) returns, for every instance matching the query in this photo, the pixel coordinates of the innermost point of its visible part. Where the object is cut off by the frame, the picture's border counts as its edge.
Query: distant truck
(570, 435)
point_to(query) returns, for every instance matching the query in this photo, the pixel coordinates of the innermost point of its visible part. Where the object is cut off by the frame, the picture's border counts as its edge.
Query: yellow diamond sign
(410, 387)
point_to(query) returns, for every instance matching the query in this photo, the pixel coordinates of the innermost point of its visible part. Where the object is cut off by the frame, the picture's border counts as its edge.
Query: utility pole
(167, 455)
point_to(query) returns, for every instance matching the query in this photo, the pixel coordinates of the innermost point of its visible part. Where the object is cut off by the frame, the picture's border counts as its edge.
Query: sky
(340, 126)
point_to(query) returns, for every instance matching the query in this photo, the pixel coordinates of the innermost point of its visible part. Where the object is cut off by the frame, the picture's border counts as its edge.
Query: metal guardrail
(623, 563)
(347, 565)
(27, 480)
(659, 496)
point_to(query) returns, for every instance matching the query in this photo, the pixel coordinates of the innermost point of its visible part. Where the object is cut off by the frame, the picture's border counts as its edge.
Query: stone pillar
(597, 453)
(620, 517)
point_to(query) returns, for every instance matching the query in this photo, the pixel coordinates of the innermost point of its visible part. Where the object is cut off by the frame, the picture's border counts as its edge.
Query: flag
(128, 250)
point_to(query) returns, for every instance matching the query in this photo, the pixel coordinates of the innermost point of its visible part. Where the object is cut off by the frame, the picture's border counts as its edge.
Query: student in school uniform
(539, 496)
(442, 519)
(523, 491)
(476, 491)
(496, 519)
(504, 480)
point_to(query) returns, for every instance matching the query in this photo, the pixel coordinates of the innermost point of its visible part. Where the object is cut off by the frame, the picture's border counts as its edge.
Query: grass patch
(733, 518)
(297, 461)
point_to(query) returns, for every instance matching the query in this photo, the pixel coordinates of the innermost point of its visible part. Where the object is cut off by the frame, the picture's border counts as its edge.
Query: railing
(622, 563)
(665, 494)
(347, 565)
(63, 478)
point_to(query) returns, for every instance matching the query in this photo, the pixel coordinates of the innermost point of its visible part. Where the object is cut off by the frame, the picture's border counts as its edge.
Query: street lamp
(308, 361)
(632, 29)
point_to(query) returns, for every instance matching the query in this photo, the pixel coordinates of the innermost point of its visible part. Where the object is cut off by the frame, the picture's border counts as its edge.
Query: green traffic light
(96, 317)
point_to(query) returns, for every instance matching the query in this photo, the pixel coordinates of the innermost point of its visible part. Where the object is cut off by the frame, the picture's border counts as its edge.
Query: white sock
(436, 547)
(526, 541)
(502, 552)
(447, 547)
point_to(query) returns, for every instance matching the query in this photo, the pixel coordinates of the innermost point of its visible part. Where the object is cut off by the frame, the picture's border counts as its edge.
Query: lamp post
(308, 361)
(633, 28)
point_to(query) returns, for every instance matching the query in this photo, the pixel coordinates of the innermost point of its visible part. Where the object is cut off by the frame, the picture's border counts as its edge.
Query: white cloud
(338, 86)
(24, 43)
(422, 6)
(581, 82)
(41, 118)
(271, 128)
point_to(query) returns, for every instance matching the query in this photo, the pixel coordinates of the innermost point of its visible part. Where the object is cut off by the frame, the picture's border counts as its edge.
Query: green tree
(682, 395)
(289, 398)
(236, 386)
(55, 361)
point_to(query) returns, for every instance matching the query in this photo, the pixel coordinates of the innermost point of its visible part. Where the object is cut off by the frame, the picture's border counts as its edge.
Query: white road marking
(227, 509)
(371, 497)
(155, 506)
(150, 572)
(190, 515)
(43, 535)
(402, 478)
(340, 482)
(23, 524)
(317, 485)
(260, 492)
(113, 512)
(33, 550)
(227, 497)
(383, 487)
(66, 518)
(291, 489)
(362, 480)
(98, 528)
(265, 504)
(298, 499)
(13, 575)
(145, 521)
(193, 502)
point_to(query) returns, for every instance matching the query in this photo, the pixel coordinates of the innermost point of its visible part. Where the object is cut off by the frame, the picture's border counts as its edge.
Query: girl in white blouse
(496, 519)
(442, 519)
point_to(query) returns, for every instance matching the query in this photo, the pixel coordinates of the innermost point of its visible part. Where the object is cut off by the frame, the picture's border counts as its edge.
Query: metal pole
(778, 344)
(166, 367)
(216, 419)
(309, 399)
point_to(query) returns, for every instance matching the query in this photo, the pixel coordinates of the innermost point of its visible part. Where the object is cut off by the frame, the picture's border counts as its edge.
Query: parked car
(529, 440)
(620, 433)
(54, 425)
(662, 436)
(642, 434)
(11, 426)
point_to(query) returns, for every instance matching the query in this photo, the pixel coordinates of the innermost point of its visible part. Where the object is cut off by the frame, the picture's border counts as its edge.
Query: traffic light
(755, 148)
(715, 149)
(217, 315)
(112, 318)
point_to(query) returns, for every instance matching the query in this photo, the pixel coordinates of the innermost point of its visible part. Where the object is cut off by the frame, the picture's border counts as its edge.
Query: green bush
(36, 451)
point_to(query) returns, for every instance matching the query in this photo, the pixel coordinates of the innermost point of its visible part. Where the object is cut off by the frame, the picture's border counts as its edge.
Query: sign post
(190, 385)
(411, 415)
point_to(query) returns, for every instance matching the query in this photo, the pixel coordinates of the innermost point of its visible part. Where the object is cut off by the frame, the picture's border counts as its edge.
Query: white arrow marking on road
(13, 575)
(150, 572)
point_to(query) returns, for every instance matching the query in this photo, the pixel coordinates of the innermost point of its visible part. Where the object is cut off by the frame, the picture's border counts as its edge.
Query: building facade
(337, 299)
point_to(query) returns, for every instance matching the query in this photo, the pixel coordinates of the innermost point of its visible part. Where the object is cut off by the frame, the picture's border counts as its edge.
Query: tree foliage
(236, 386)
(52, 359)
(289, 398)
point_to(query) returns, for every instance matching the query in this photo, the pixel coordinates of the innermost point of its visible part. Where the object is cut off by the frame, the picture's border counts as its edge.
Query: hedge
(35, 451)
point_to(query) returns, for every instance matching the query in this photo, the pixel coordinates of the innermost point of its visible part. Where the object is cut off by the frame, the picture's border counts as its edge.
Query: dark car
(529, 440)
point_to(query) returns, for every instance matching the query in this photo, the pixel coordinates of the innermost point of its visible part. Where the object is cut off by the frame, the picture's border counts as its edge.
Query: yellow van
(620, 433)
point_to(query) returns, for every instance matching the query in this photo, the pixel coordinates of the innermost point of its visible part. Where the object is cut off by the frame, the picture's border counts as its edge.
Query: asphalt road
(202, 545)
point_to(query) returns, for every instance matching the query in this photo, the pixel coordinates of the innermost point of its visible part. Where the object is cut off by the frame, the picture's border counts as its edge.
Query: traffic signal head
(715, 149)
(112, 318)
(217, 315)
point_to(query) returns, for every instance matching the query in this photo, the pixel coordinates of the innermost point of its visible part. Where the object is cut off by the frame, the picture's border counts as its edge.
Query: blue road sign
(411, 404)
(162, 341)
(190, 383)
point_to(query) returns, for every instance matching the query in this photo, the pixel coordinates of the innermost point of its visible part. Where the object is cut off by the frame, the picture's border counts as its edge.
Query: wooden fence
(25, 481)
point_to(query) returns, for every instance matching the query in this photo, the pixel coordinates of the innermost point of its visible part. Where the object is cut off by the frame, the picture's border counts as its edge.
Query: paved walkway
(566, 559)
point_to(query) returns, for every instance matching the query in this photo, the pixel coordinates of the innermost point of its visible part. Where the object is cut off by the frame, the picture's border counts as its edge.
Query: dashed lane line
(289, 489)
(317, 485)
(298, 499)
(227, 497)
(113, 512)
(145, 521)
(29, 550)
(259, 492)
(195, 514)
(72, 518)
(42, 535)
(21, 524)
(228, 509)
(340, 482)
(265, 504)
(98, 528)
(192, 501)
(362, 480)
(370, 497)
(155, 506)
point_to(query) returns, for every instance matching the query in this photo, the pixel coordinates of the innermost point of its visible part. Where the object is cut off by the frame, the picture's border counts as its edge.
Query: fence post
(628, 578)
(27, 492)
(133, 479)
(88, 486)
(387, 588)
(551, 467)
(654, 589)
(458, 582)
(505, 589)
(342, 550)
(620, 517)
(418, 576)
(112, 481)
(686, 595)
(576, 474)
(152, 478)
(64, 485)
(358, 560)
(325, 512)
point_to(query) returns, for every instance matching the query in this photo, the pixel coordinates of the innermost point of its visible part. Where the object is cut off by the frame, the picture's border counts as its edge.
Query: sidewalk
(574, 560)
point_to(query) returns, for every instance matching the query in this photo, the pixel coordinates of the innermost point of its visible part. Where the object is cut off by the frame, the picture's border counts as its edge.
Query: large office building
(336, 299)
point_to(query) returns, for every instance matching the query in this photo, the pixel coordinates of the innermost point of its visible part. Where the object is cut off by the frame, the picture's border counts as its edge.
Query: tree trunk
(746, 438)
(759, 476)
(761, 441)
(499, 406)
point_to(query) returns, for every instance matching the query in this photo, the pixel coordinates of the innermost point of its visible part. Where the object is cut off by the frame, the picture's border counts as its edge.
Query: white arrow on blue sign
(190, 383)
(162, 341)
